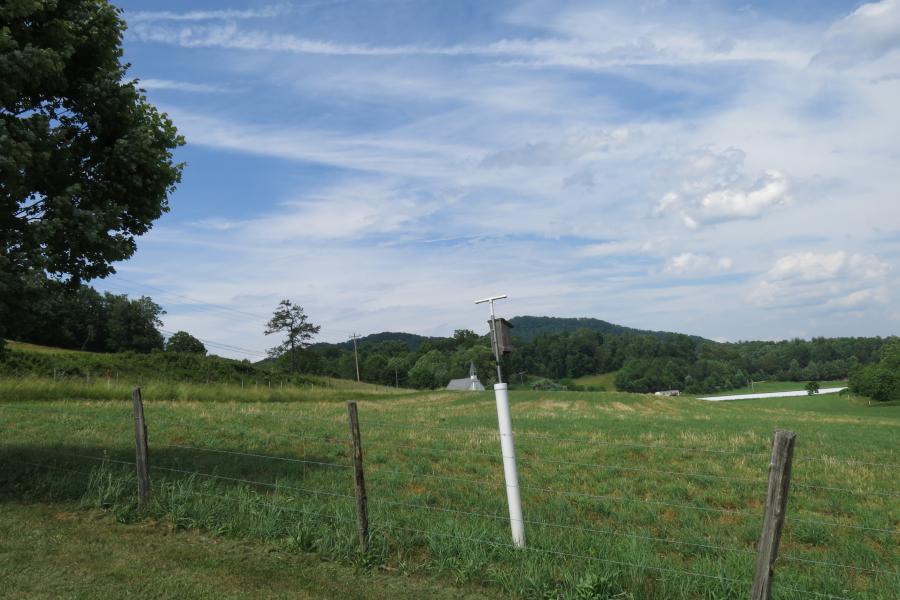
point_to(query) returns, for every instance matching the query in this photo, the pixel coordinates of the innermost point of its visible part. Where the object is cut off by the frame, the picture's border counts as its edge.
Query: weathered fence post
(362, 501)
(141, 462)
(776, 506)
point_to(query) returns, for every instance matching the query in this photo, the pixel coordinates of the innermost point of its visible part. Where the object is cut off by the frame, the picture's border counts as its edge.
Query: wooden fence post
(141, 462)
(776, 506)
(362, 501)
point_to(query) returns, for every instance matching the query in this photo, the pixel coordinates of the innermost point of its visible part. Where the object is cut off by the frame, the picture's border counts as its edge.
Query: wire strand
(263, 456)
(844, 525)
(566, 493)
(537, 435)
(561, 526)
(574, 555)
(793, 558)
(844, 490)
(533, 459)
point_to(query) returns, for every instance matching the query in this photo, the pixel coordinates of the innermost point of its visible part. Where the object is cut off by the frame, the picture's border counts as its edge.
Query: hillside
(529, 327)
(21, 359)
(411, 340)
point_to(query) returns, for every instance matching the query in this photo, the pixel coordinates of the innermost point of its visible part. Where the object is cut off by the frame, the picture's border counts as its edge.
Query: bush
(547, 385)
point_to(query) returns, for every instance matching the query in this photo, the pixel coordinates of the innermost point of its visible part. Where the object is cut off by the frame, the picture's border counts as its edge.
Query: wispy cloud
(588, 159)
(541, 52)
(868, 33)
(183, 86)
(207, 15)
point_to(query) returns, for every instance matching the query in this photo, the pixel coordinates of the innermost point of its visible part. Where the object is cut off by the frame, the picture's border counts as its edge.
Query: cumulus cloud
(714, 189)
(688, 263)
(868, 33)
(832, 280)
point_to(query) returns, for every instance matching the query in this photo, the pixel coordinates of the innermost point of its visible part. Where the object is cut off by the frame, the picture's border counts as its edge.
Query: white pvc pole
(510, 473)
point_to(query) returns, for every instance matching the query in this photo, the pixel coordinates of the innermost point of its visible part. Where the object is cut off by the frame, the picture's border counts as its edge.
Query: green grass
(186, 565)
(607, 380)
(19, 360)
(763, 387)
(326, 388)
(26, 347)
(430, 454)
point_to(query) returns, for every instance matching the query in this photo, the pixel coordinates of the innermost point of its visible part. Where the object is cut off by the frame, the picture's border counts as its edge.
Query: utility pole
(355, 337)
(507, 445)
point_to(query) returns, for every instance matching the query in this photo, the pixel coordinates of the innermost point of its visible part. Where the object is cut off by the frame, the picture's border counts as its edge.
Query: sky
(724, 169)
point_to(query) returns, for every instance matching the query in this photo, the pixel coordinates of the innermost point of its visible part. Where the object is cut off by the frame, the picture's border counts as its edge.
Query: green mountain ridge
(525, 328)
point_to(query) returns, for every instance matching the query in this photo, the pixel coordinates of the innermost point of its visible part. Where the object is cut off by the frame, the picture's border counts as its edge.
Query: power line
(220, 345)
(201, 303)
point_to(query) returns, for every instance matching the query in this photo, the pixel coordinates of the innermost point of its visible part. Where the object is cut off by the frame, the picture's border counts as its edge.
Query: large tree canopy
(86, 162)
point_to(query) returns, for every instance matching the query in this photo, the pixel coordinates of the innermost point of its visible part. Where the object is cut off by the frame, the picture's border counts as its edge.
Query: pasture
(624, 495)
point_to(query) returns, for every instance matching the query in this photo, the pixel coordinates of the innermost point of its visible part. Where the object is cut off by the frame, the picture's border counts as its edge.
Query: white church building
(467, 384)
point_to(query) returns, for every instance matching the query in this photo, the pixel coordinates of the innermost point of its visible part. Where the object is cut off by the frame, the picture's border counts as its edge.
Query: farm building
(469, 384)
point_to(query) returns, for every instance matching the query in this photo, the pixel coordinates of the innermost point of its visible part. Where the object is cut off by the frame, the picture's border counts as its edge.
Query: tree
(812, 388)
(430, 371)
(182, 341)
(298, 331)
(86, 162)
(132, 324)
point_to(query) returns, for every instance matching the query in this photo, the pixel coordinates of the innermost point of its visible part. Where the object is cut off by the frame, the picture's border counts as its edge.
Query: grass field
(625, 495)
(763, 387)
(606, 380)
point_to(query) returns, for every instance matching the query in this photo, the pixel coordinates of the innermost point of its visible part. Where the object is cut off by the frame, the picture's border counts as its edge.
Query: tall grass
(41, 388)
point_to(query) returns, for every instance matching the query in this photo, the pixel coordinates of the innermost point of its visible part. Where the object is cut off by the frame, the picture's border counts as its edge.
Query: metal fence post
(362, 500)
(773, 521)
(141, 461)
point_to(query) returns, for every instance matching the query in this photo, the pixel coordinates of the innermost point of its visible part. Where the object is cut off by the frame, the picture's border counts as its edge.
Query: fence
(688, 557)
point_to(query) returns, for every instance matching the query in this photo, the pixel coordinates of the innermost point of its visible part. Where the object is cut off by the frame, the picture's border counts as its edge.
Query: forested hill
(411, 340)
(528, 328)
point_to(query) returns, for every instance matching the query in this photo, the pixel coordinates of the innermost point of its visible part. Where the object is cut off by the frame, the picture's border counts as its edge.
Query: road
(834, 390)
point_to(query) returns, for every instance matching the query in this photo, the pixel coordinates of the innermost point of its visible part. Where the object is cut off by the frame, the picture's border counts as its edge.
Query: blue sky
(726, 169)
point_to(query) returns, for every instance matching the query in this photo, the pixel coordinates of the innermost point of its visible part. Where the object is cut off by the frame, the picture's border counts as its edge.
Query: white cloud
(582, 145)
(830, 280)
(618, 248)
(688, 263)
(721, 138)
(868, 33)
(206, 15)
(182, 86)
(563, 52)
(714, 190)
(349, 210)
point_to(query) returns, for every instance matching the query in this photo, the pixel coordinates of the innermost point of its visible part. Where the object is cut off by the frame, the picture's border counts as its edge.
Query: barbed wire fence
(358, 500)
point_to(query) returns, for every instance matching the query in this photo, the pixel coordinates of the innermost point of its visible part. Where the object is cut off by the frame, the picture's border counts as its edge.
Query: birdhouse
(502, 336)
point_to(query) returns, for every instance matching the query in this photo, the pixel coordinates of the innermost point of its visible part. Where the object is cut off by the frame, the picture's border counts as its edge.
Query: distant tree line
(643, 362)
(75, 316)
(60, 314)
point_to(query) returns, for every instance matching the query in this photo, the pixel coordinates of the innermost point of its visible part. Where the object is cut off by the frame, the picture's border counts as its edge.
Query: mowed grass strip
(59, 550)
(624, 494)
